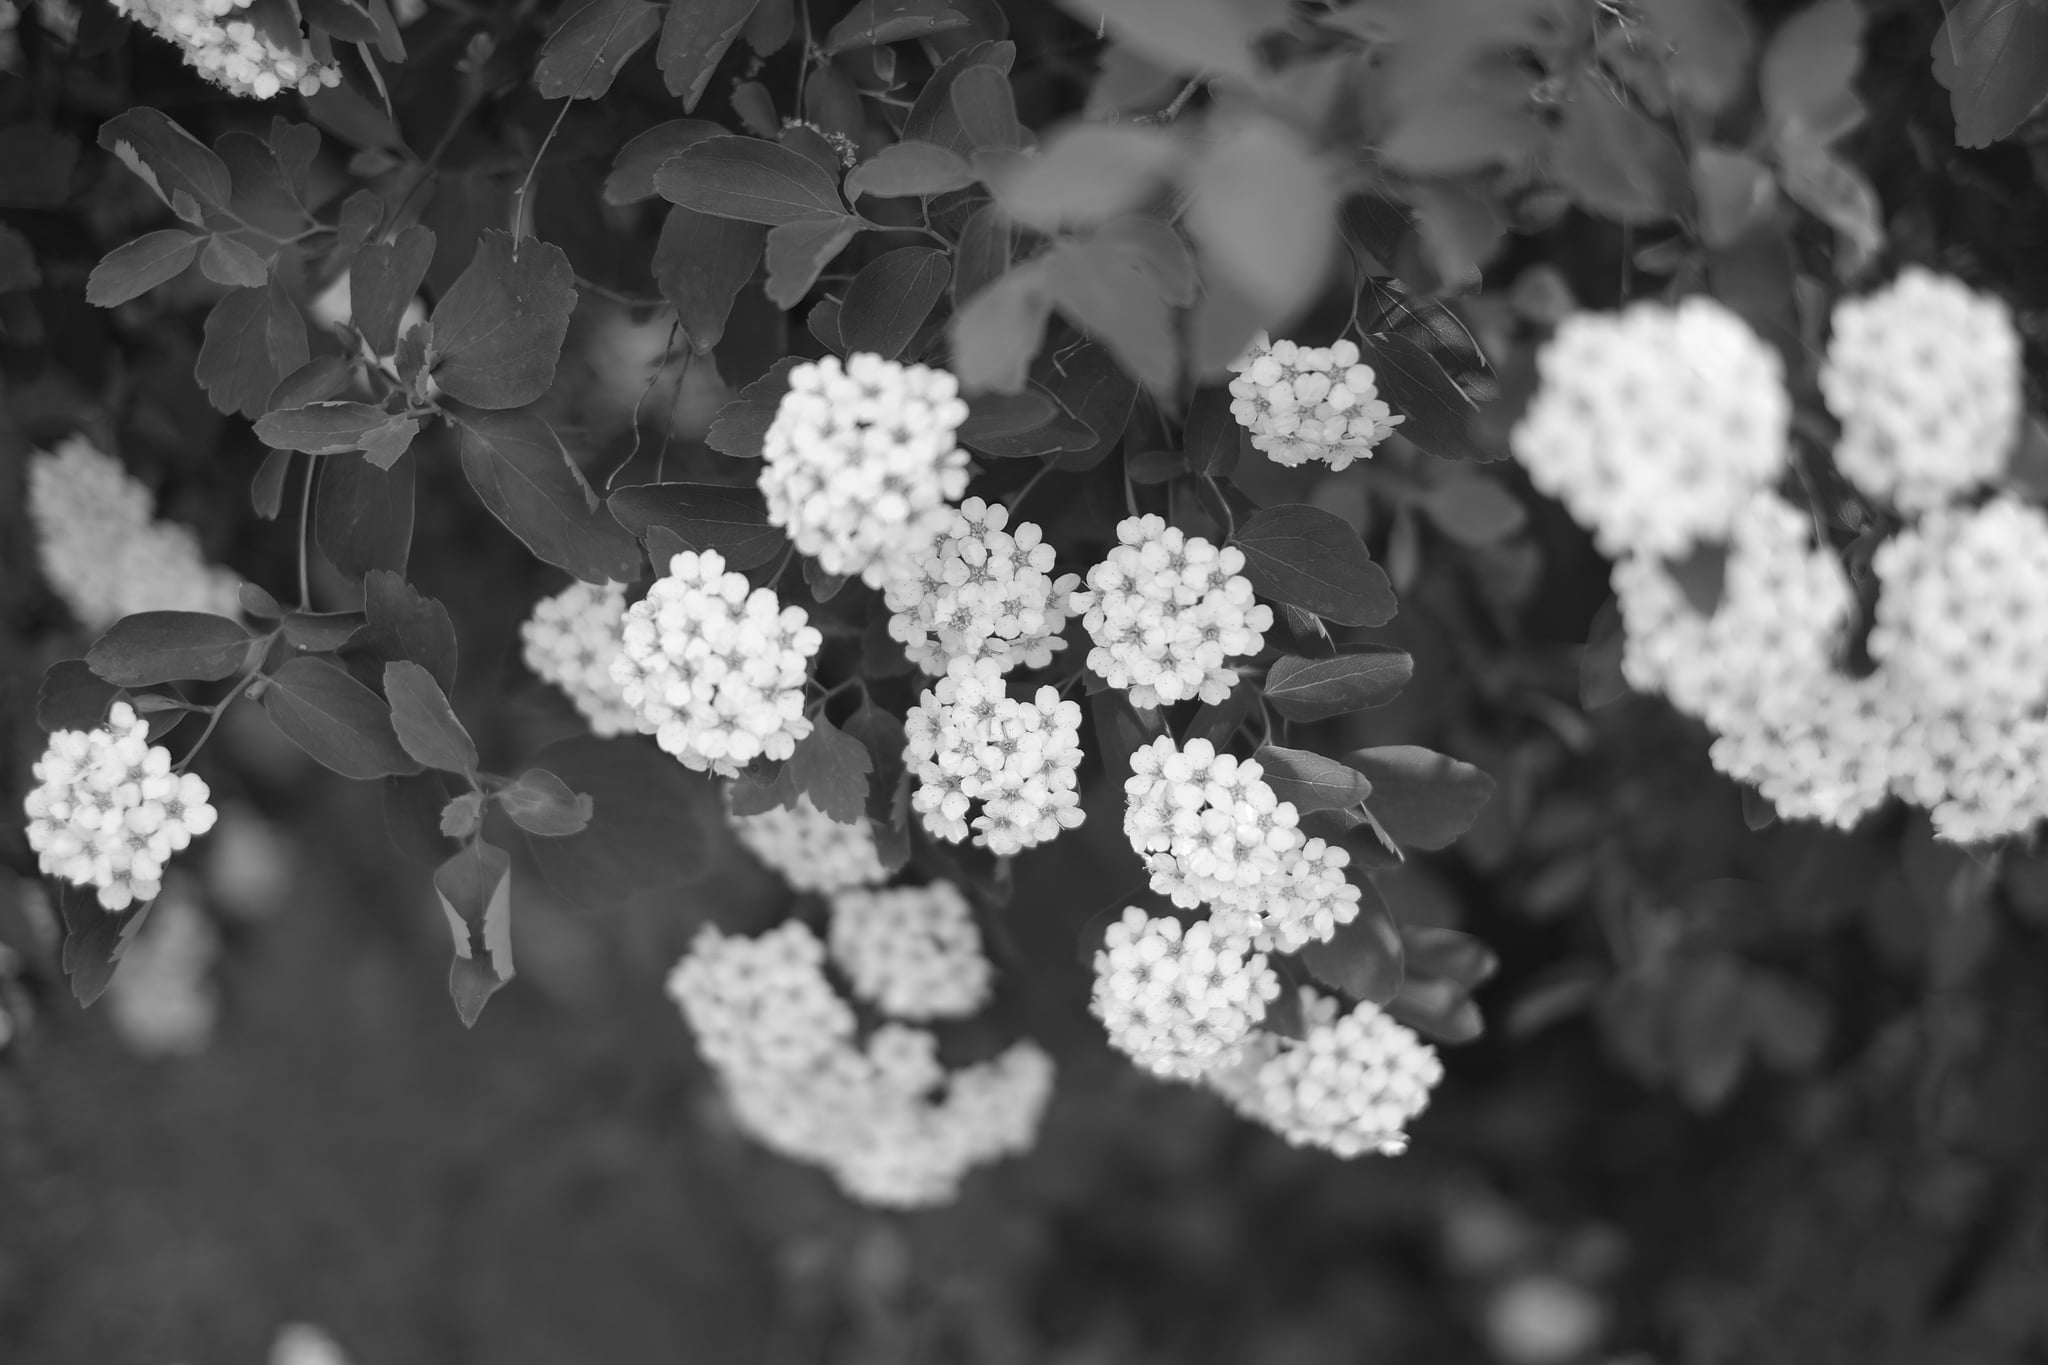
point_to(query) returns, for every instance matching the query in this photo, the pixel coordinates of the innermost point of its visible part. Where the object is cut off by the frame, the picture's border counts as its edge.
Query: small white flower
(1208, 826)
(911, 951)
(233, 53)
(570, 641)
(1303, 403)
(1166, 610)
(811, 850)
(970, 744)
(1178, 1001)
(983, 592)
(714, 668)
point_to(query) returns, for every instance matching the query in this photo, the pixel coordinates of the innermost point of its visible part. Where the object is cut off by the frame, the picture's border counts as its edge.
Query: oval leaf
(1315, 689)
(498, 330)
(320, 428)
(648, 825)
(1312, 559)
(169, 646)
(1436, 414)
(906, 168)
(541, 803)
(1421, 798)
(749, 179)
(1310, 781)
(890, 299)
(133, 269)
(424, 721)
(582, 57)
(872, 23)
(362, 516)
(340, 723)
(475, 888)
(524, 475)
(732, 521)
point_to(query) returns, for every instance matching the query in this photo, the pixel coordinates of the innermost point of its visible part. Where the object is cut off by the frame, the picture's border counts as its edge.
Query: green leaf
(582, 57)
(170, 160)
(73, 697)
(1709, 43)
(995, 416)
(832, 768)
(1087, 173)
(996, 333)
(1208, 36)
(1106, 291)
(384, 443)
(799, 250)
(321, 632)
(1309, 780)
(253, 339)
(403, 623)
(1440, 954)
(340, 723)
(1734, 192)
(1302, 555)
(1158, 250)
(649, 826)
(94, 939)
(347, 20)
(498, 330)
(1992, 56)
(1612, 159)
(732, 521)
(461, 816)
(1808, 73)
(1476, 512)
(319, 379)
(475, 888)
(1316, 689)
(632, 174)
(1264, 212)
(742, 424)
(226, 261)
(1363, 959)
(384, 280)
(319, 428)
(362, 515)
(932, 117)
(693, 40)
(888, 783)
(1834, 191)
(1437, 416)
(1093, 389)
(541, 803)
(873, 23)
(748, 179)
(524, 475)
(890, 298)
(169, 646)
(1422, 799)
(424, 721)
(134, 268)
(986, 110)
(266, 488)
(909, 168)
(701, 263)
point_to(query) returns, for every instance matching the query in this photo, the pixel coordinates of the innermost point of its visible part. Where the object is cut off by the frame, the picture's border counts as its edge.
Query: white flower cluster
(714, 668)
(1303, 904)
(969, 741)
(809, 849)
(860, 465)
(1351, 1085)
(1165, 610)
(983, 592)
(162, 1001)
(891, 1124)
(1303, 403)
(911, 951)
(571, 640)
(1654, 426)
(102, 549)
(1206, 823)
(1178, 1001)
(108, 812)
(240, 56)
(1924, 376)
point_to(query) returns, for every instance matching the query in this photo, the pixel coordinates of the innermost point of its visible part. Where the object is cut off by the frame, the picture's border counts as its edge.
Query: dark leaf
(743, 423)
(340, 723)
(348, 21)
(1087, 173)
(1364, 958)
(832, 767)
(1993, 57)
(475, 888)
(1436, 415)
(405, 624)
(266, 489)
(1436, 953)
(258, 604)
(1211, 437)
(701, 263)
(322, 632)
(1311, 781)
(932, 117)
(94, 939)
(888, 784)
(1600, 678)
(1422, 799)
(822, 322)
(771, 27)
(986, 109)
(890, 299)
(872, 23)
(693, 39)
(749, 179)
(1834, 191)
(1303, 555)
(518, 466)
(541, 803)
(362, 515)
(385, 442)
(582, 57)
(226, 261)
(1217, 722)
(170, 160)
(1264, 212)
(1475, 511)
(1105, 291)
(907, 168)
(320, 428)
(797, 251)
(383, 280)
(133, 269)
(319, 379)
(1094, 391)
(632, 174)
(73, 697)
(1148, 467)
(994, 416)
(498, 330)
(649, 826)
(1213, 36)
(254, 338)
(424, 721)
(1438, 1010)
(1315, 689)
(982, 255)
(461, 816)
(169, 646)
(732, 521)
